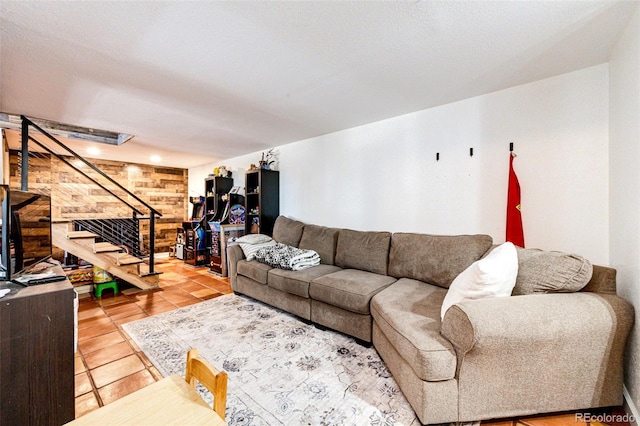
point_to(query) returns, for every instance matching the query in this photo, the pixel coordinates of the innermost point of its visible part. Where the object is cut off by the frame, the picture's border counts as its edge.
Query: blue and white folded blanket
(283, 256)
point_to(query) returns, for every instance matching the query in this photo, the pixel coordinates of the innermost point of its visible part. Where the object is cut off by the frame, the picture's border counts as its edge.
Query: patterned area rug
(281, 370)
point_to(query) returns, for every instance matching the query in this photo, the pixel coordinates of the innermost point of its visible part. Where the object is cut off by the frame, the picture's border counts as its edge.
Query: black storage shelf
(214, 188)
(262, 194)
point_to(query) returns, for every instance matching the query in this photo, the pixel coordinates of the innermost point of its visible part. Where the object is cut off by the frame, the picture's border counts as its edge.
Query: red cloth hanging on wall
(515, 233)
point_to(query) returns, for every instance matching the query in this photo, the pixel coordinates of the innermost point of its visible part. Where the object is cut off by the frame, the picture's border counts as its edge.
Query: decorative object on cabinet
(262, 200)
(267, 160)
(221, 171)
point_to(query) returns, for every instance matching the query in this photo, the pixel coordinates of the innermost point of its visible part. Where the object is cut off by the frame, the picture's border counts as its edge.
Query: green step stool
(98, 288)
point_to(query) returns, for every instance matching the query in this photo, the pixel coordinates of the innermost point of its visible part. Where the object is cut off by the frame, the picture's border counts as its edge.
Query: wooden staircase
(107, 256)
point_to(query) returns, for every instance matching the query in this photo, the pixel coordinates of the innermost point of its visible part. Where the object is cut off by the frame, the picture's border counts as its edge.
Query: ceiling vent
(12, 121)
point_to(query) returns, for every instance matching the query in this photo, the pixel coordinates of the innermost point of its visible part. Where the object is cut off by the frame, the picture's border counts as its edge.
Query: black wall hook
(470, 152)
(437, 156)
(510, 146)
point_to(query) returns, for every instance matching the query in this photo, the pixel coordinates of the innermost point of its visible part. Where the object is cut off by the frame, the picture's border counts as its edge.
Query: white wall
(624, 208)
(384, 175)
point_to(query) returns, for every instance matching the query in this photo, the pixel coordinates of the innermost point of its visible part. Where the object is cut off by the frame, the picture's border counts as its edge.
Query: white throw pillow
(251, 243)
(254, 239)
(493, 276)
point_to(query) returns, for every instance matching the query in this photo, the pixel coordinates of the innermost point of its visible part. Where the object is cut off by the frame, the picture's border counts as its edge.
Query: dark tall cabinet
(262, 200)
(214, 189)
(36, 355)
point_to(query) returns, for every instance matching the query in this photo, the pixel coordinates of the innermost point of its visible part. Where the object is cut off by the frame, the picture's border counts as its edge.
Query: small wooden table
(171, 401)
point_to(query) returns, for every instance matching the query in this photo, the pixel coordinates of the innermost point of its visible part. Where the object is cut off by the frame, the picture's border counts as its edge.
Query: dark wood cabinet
(36, 354)
(262, 200)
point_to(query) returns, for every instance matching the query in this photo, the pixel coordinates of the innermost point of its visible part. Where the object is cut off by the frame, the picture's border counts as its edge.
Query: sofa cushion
(550, 271)
(297, 282)
(367, 251)
(435, 259)
(255, 270)
(322, 240)
(349, 289)
(408, 314)
(492, 276)
(287, 231)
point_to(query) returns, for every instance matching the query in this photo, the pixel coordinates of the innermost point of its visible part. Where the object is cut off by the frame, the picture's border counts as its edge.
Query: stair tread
(143, 270)
(105, 247)
(83, 248)
(149, 274)
(81, 234)
(127, 259)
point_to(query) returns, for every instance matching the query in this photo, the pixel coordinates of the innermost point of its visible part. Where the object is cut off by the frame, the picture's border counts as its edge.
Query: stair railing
(136, 210)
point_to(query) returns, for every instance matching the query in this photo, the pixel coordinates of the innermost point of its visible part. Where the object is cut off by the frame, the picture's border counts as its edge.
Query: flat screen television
(26, 230)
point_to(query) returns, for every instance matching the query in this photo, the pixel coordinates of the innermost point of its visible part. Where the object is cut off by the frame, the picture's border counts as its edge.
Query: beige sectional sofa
(548, 348)
(335, 294)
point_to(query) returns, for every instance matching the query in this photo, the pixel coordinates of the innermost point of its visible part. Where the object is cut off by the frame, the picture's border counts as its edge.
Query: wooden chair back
(215, 381)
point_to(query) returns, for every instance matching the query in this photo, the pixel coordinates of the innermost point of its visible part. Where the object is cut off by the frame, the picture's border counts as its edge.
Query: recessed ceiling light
(92, 150)
(155, 159)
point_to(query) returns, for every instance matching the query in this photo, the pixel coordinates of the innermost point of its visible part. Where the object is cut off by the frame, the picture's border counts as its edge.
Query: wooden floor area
(109, 365)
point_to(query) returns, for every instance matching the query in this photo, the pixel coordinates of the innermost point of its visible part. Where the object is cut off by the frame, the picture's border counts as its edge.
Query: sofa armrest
(569, 347)
(234, 254)
(531, 319)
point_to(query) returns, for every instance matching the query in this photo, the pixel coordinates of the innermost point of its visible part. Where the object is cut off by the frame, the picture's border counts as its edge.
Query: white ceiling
(202, 81)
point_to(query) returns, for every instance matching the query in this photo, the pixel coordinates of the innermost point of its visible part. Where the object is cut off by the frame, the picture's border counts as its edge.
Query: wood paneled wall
(75, 197)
